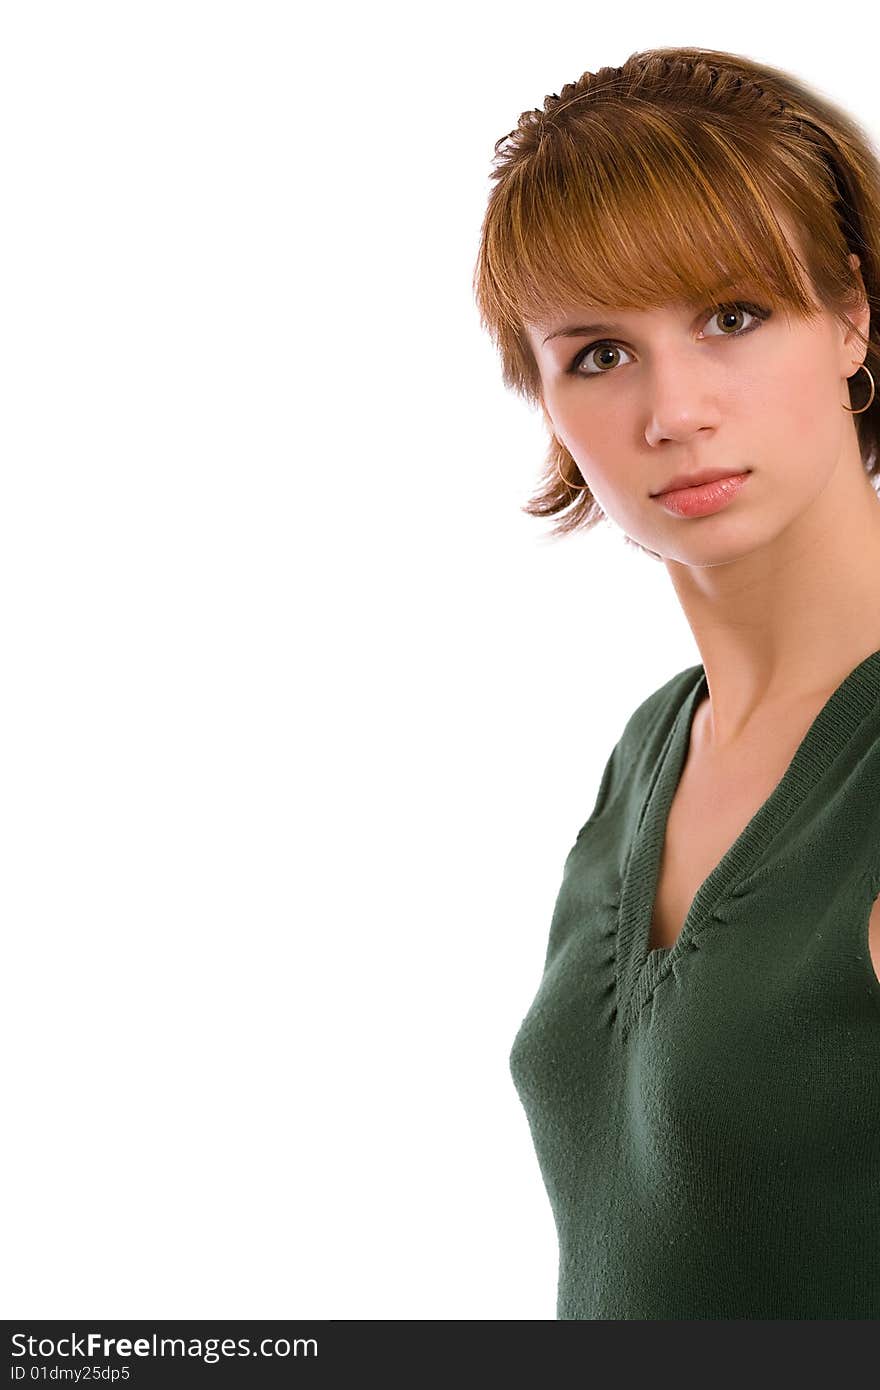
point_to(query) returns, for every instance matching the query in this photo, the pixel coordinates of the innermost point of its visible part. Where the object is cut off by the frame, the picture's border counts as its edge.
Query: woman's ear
(862, 317)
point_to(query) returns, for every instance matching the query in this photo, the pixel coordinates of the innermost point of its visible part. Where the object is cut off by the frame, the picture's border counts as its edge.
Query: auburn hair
(643, 184)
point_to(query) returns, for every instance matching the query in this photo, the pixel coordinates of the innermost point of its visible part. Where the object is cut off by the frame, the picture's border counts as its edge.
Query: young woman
(678, 264)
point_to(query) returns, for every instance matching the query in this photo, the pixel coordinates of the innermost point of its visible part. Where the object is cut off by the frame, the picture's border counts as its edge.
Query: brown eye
(603, 353)
(606, 353)
(734, 312)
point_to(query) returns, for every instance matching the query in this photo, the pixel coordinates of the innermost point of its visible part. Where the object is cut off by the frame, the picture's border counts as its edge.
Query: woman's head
(661, 200)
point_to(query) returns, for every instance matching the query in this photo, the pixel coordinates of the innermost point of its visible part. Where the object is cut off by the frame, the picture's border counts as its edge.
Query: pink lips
(703, 499)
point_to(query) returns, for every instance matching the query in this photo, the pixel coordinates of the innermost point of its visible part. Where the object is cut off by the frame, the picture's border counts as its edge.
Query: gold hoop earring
(573, 487)
(863, 408)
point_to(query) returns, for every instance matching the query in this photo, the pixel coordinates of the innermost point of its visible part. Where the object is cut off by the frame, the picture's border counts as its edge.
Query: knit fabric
(706, 1116)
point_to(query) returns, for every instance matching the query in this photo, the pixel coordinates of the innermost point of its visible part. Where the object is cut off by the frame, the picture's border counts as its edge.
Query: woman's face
(656, 393)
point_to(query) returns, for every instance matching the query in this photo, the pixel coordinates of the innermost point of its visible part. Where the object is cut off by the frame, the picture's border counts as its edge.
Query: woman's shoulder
(639, 744)
(659, 709)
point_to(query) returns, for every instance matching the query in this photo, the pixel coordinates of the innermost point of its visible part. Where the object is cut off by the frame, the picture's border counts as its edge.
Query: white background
(299, 712)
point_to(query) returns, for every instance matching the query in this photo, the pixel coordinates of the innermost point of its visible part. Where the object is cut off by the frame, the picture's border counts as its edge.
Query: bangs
(665, 207)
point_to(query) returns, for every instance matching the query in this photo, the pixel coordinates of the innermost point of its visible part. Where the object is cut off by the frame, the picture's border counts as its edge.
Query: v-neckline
(639, 968)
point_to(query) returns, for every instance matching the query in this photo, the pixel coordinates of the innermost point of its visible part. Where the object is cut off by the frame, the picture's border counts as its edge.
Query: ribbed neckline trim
(640, 970)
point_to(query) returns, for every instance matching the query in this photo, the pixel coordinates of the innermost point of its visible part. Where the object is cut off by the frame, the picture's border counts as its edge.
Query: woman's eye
(734, 311)
(606, 349)
(608, 352)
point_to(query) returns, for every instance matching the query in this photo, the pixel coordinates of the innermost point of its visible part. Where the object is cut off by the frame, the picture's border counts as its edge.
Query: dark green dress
(706, 1116)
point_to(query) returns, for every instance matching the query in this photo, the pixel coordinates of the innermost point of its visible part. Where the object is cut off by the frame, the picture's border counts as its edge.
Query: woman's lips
(704, 499)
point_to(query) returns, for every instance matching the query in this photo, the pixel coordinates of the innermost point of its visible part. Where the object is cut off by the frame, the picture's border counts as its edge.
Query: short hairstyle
(646, 184)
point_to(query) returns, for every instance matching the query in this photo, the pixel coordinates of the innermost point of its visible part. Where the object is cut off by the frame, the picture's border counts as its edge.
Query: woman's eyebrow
(583, 329)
